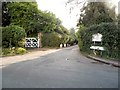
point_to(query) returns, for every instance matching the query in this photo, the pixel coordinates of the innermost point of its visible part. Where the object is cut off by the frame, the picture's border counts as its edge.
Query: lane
(66, 68)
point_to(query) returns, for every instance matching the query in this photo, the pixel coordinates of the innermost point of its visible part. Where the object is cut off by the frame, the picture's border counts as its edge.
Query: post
(10, 44)
(39, 39)
(61, 45)
(101, 53)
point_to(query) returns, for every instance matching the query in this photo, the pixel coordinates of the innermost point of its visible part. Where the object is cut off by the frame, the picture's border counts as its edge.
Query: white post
(60, 45)
(64, 45)
(38, 43)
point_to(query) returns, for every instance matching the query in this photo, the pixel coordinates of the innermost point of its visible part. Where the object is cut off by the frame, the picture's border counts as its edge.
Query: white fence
(32, 42)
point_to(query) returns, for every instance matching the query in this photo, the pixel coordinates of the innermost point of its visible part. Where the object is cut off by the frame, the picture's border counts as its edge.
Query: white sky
(62, 12)
(59, 9)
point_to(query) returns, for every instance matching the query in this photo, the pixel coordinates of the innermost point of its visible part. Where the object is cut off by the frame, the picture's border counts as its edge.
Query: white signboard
(97, 48)
(97, 37)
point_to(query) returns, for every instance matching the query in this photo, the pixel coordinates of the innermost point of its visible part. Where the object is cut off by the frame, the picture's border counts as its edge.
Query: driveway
(65, 68)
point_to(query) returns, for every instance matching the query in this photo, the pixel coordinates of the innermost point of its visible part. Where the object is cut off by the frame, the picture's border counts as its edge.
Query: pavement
(64, 68)
(29, 56)
(110, 62)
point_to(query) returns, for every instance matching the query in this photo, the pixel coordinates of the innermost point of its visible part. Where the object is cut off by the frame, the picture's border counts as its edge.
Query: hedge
(110, 39)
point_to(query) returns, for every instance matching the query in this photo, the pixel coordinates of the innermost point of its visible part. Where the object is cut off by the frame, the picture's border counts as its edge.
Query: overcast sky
(62, 12)
(59, 9)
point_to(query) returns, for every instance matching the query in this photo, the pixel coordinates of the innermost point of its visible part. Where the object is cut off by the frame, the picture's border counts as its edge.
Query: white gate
(32, 42)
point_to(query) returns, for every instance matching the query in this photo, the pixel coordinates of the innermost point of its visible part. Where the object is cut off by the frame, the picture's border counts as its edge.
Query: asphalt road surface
(66, 68)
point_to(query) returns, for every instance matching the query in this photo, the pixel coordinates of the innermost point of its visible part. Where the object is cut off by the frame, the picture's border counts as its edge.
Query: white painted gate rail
(32, 42)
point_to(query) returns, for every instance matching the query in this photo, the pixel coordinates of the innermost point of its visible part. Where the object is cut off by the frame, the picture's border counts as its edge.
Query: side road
(29, 56)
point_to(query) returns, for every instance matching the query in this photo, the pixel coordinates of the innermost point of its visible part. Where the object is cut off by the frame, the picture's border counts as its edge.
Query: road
(66, 68)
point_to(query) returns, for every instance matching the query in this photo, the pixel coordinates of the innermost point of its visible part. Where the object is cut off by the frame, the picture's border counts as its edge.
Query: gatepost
(39, 39)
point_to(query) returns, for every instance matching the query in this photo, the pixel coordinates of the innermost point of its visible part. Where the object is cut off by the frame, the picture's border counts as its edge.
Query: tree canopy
(28, 16)
(95, 13)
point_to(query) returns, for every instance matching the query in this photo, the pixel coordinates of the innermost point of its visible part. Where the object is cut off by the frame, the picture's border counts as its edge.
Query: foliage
(12, 35)
(78, 35)
(23, 14)
(11, 52)
(20, 50)
(6, 51)
(71, 40)
(109, 40)
(49, 22)
(95, 13)
(54, 39)
(27, 15)
(118, 18)
(51, 40)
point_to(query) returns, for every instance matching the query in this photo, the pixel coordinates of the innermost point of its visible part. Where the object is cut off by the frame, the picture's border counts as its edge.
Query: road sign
(97, 48)
(97, 37)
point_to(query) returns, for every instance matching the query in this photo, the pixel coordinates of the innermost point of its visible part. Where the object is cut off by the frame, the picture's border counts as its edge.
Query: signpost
(97, 38)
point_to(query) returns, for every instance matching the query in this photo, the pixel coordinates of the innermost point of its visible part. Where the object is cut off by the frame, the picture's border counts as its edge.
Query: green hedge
(13, 36)
(110, 38)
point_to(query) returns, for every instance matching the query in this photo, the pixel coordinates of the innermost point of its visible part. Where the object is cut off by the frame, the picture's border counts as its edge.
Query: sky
(58, 7)
(60, 10)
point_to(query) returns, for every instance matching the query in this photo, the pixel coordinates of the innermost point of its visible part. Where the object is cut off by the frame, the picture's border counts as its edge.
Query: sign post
(97, 38)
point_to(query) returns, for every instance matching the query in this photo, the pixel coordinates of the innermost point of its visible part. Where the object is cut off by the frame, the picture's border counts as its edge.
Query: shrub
(21, 50)
(6, 51)
(51, 40)
(21, 43)
(11, 52)
(12, 35)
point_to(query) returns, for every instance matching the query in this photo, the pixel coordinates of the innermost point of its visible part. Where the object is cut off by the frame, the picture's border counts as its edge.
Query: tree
(118, 18)
(95, 13)
(72, 31)
(27, 15)
(5, 14)
(48, 22)
(23, 14)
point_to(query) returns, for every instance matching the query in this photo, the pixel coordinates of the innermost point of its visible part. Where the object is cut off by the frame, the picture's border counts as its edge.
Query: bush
(20, 50)
(11, 52)
(6, 51)
(51, 40)
(110, 38)
(12, 35)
